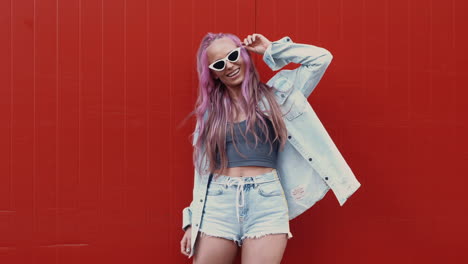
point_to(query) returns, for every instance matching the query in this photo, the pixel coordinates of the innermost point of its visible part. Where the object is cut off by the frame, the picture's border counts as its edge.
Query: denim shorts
(245, 207)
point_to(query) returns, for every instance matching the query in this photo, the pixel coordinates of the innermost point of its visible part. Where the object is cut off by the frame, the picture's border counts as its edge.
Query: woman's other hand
(185, 243)
(256, 43)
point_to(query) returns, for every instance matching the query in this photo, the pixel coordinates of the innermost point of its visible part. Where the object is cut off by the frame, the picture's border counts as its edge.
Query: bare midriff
(245, 171)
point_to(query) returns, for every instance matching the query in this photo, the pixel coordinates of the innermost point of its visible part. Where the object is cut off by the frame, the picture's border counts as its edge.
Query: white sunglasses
(220, 64)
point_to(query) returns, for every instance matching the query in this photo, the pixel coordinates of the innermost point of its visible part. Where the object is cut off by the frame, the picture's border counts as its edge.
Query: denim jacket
(310, 163)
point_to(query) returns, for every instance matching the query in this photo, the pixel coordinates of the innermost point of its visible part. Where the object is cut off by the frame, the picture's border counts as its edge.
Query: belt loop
(255, 182)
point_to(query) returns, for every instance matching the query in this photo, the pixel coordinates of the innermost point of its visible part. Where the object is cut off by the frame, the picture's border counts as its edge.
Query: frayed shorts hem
(241, 241)
(260, 235)
(231, 238)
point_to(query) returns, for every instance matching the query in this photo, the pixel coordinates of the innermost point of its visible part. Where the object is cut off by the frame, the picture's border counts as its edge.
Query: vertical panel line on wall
(387, 64)
(57, 118)
(408, 72)
(455, 50)
(11, 104)
(171, 146)
(101, 176)
(79, 91)
(34, 147)
(148, 215)
(430, 55)
(125, 199)
(193, 73)
(255, 15)
(341, 21)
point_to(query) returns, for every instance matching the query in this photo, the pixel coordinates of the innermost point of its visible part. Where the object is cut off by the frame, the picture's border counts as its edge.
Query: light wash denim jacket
(310, 163)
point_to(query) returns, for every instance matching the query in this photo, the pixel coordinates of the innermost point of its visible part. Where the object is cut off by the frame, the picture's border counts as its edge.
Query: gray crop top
(254, 156)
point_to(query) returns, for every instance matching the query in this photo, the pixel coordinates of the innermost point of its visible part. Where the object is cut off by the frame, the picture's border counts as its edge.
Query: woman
(262, 147)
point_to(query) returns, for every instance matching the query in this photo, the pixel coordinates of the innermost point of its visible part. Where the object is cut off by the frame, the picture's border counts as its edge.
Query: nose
(229, 65)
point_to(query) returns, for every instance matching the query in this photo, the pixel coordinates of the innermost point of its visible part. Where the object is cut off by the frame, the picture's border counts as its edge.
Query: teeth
(230, 75)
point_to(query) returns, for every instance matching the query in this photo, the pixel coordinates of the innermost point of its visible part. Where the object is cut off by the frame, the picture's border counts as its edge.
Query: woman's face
(219, 49)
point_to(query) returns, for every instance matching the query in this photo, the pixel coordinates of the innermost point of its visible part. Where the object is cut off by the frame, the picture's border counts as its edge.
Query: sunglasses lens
(233, 56)
(219, 65)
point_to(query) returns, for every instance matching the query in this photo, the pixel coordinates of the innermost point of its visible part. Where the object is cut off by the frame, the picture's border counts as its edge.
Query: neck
(234, 93)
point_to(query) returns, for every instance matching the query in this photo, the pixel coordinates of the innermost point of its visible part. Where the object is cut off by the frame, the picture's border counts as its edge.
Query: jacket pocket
(283, 88)
(295, 105)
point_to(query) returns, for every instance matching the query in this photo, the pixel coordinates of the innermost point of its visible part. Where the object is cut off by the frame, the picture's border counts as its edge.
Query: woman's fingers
(247, 40)
(260, 43)
(184, 244)
(253, 38)
(187, 245)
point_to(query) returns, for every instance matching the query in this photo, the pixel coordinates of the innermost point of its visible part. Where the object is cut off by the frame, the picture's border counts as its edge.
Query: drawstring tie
(240, 192)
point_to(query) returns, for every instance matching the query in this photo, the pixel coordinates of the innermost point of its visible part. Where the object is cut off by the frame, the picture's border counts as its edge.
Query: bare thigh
(266, 249)
(214, 250)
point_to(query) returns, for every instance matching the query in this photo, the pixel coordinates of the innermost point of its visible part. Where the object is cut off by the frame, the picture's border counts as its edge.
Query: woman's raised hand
(256, 43)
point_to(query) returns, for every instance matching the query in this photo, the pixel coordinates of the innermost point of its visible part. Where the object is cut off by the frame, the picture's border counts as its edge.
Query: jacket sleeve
(314, 61)
(187, 216)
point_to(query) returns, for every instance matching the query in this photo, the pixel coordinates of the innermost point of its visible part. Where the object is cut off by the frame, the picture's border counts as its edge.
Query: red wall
(94, 168)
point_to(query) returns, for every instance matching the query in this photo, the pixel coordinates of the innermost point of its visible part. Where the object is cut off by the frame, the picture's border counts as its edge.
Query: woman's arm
(314, 61)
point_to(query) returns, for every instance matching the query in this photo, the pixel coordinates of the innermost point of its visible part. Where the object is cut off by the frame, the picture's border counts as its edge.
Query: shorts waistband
(265, 177)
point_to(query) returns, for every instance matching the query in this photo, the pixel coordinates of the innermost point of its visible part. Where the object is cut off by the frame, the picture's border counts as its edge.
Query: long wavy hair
(213, 95)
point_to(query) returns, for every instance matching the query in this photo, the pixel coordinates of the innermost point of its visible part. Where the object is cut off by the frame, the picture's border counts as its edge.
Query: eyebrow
(227, 53)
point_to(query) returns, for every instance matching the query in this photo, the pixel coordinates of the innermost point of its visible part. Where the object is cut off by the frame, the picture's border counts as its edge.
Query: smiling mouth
(234, 73)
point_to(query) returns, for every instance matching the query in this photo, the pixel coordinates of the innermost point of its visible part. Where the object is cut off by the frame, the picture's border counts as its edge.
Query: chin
(241, 79)
(239, 83)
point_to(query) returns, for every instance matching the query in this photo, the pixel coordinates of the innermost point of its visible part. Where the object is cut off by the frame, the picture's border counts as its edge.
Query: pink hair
(213, 96)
